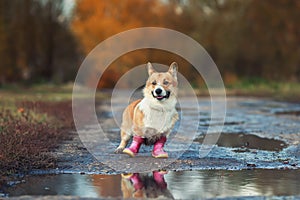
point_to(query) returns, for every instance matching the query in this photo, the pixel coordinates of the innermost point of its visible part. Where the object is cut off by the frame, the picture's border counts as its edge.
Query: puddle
(206, 184)
(247, 141)
(288, 112)
(215, 122)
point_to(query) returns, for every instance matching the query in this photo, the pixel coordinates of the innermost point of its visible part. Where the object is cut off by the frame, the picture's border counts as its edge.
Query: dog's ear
(173, 69)
(150, 69)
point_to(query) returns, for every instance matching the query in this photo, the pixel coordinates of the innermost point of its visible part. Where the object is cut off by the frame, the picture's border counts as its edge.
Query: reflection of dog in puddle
(145, 186)
(151, 119)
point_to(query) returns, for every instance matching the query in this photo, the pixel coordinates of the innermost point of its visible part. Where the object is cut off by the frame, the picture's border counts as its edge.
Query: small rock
(46, 188)
(251, 165)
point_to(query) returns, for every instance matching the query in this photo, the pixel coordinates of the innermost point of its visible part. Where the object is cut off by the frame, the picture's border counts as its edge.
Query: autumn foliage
(247, 39)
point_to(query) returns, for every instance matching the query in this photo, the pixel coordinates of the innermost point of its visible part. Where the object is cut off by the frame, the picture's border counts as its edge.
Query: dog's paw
(119, 150)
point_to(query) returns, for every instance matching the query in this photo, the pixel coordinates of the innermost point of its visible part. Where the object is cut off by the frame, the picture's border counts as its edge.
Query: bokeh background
(251, 41)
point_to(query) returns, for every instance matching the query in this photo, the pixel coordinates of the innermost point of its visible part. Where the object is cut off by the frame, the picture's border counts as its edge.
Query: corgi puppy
(151, 119)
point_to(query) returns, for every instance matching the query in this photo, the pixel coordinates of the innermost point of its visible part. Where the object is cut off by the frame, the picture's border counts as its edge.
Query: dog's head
(161, 85)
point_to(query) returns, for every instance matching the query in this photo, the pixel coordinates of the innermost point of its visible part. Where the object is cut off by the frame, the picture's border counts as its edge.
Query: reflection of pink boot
(158, 177)
(136, 181)
(158, 151)
(134, 147)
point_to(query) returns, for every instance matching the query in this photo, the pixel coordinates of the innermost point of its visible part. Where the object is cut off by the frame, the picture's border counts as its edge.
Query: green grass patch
(49, 92)
(285, 91)
(256, 87)
(10, 94)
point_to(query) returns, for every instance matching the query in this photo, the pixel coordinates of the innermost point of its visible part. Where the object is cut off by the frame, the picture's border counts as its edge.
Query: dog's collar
(159, 98)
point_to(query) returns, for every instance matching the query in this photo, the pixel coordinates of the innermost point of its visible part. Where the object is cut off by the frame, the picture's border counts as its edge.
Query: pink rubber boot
(134, 147)
(158, 151)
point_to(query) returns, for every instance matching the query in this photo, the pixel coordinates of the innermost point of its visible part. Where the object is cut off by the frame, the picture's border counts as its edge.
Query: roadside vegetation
(32, 125)
(281, 91)
(276, 90)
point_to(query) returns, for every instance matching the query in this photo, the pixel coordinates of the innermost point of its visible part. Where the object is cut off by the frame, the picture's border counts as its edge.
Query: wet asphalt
(257, 133)
(259, 143)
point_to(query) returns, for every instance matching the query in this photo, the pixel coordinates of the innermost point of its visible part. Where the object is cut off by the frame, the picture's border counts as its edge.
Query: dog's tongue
(159, 97)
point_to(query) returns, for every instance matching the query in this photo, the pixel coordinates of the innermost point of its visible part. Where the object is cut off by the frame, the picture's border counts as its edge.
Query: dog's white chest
(158, 118)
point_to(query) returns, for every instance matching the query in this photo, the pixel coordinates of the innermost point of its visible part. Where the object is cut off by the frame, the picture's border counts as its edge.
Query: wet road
(258, 134)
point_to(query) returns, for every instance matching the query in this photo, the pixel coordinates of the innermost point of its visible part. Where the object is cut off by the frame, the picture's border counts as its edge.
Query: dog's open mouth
(160, 97)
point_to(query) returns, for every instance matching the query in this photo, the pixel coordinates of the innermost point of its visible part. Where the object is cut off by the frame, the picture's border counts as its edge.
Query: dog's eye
(154, 83)
(166, 82)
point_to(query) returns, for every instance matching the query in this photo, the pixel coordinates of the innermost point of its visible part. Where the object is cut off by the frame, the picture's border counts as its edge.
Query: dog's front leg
(124, 140)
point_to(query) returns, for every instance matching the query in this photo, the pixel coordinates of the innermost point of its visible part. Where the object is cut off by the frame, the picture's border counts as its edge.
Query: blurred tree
(35, 42)
(7, 52)
(271, 43)
(250, 38)
(246, 38)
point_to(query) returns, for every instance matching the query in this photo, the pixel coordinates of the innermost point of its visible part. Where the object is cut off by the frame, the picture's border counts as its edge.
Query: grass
(12, 93)
(33, 122)
(30, 132)
(284, 91)
(255, 87)
(24, 144)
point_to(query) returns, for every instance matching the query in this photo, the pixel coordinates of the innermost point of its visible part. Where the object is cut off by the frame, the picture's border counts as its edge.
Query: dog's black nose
(158, 91)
